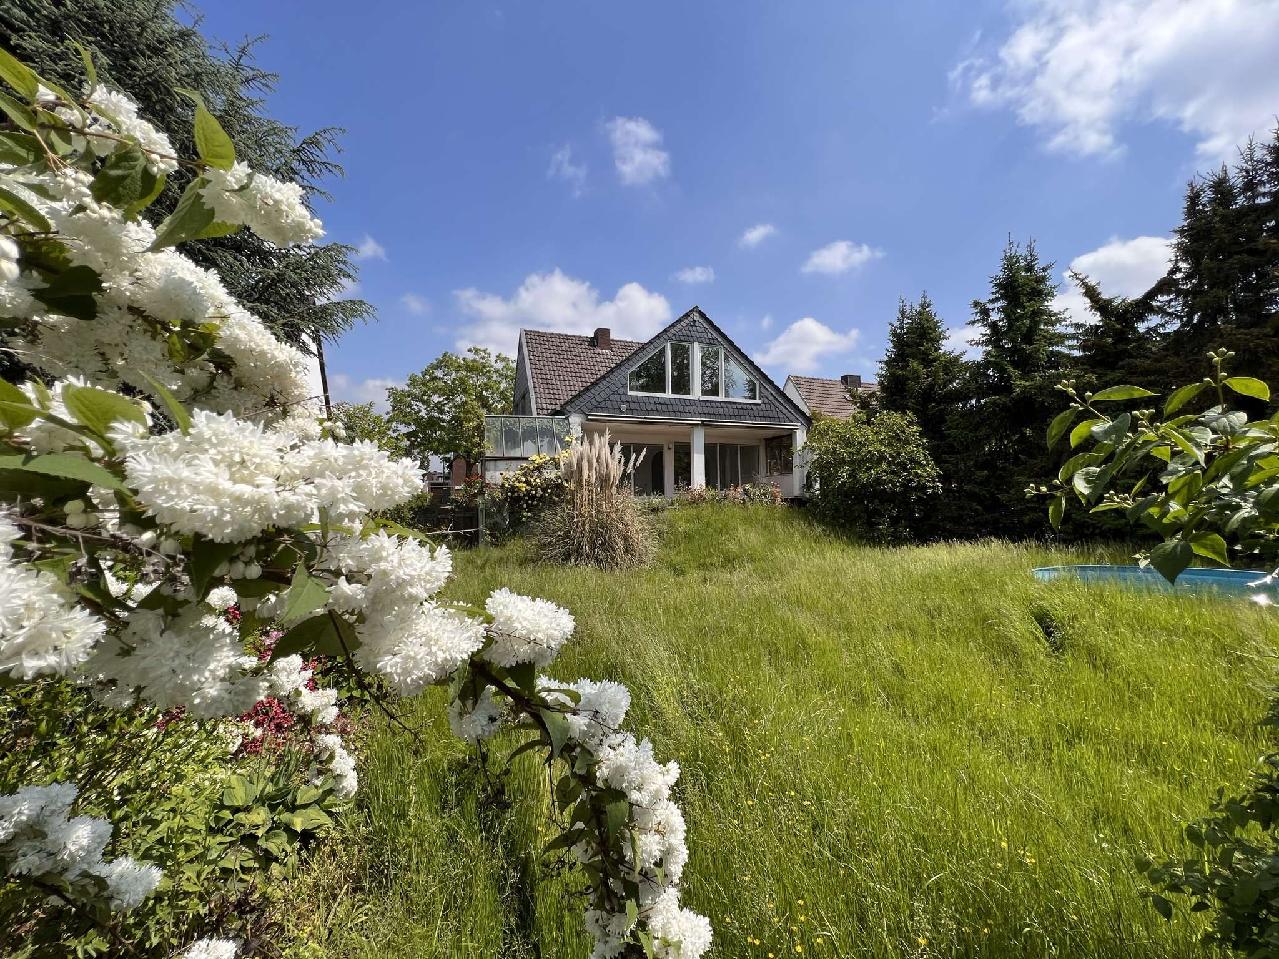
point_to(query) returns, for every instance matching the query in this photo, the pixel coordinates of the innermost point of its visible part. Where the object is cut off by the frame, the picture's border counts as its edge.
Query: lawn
(907, 752)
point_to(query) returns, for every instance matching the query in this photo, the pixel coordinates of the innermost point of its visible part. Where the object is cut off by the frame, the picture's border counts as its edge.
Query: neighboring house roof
(563, 364)
(827, 397)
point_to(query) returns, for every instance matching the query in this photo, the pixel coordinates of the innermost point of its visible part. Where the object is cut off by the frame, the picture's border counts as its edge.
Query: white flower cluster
(476, 721)
(39, 838)
(335, 761)
(211, 949)
(42, 631)
(194, 659)
(117, 348)
(656, 823)
(230, 479)
(271, 208)
(290, 683)
(525, 630)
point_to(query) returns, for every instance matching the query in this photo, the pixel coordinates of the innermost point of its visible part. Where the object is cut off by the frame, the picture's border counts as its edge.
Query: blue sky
(564, 165)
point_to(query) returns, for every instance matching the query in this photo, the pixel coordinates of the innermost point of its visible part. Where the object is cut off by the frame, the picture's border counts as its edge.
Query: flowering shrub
(523, 496)
(161, 465)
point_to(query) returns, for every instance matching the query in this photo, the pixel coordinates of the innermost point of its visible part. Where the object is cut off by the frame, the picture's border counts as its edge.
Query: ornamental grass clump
(598, 523)
(169, 490)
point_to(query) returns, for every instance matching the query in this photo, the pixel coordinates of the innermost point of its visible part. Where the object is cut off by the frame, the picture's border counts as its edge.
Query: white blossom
(525, 630)
(122, 114)
(335, 761)
(476, 721)
(413, 647)
(39, 838)
(629, 765)
(271, 208)
(43, 632)
(211, 949)
(678, 933)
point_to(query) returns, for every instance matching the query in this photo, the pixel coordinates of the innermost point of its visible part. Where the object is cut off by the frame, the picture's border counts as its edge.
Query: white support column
(699, 456)
(668, 468)
(800, 469)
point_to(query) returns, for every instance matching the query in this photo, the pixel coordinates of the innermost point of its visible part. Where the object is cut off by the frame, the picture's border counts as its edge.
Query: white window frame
(696, 372)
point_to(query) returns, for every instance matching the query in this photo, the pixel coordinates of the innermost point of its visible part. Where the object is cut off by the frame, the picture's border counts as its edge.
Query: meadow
(886, 752)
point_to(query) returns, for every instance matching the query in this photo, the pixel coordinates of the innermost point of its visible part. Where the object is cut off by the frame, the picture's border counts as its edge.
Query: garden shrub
(598, 523)
(768, 494)
(524, 495)
(872, 474)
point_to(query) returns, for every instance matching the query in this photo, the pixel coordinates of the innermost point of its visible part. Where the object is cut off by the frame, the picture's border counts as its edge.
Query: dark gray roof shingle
(563, 364)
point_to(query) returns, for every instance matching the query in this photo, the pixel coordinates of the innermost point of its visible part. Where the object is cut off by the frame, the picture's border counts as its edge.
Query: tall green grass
(885, 752)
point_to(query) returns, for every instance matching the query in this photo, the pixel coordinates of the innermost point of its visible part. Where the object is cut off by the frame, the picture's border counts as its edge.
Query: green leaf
(206, 556)
(71, 293)
(181, 418)
(306, 595)
(1171, 558)
(86, 58)
(19, 208)
(1061, 422)
(309, 818)
(191, 219)
(18, 75)
(565, 840)
(616, 813)
(238, 792)
(1114, 393)
(277, 843)
(1210, 545)
(19, 113)
(16, 408)
(19, 149)
(1249, 386)
(211, 141)
(1057, 510)
(125, 181)
(1162, 906)
(66, 466)
(319, 634)
(556, 728)
(1182, 396)
(1082, 431)
(98, 409)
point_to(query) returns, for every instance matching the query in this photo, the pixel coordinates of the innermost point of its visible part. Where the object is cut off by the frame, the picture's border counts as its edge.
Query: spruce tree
(917, 373)
(140, 47)
(998, 431)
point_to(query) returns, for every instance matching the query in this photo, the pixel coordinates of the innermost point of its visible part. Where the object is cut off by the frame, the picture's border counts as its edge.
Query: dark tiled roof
(563, 364)
(827, 397)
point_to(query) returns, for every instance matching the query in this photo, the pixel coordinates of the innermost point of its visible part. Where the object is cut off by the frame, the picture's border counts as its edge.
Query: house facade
(697, 407)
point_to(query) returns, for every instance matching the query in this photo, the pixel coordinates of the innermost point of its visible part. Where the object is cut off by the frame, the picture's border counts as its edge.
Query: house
(820, 396)
(701, 412)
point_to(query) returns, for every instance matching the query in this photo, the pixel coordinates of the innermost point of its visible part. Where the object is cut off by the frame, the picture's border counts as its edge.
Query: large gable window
(674, 369)
(668, 372)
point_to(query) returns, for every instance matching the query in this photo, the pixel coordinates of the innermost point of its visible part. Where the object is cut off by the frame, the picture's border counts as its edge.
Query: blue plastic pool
(1236, 582)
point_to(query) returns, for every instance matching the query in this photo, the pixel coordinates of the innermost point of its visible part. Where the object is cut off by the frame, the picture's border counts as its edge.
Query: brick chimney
(603, 338)
(851, 381)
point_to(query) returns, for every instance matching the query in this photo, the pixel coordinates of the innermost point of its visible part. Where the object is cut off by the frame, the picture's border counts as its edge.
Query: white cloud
(344, 389)
(696, 274)
(370, 249)
(756, 235)
(767, 322)
(415, 304)
(554, 301)
(963, 340)
(802, 346)
(637, 151)
(1119, 268)
(564, 168)
(1078, 68)
(840, 257)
